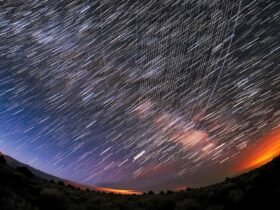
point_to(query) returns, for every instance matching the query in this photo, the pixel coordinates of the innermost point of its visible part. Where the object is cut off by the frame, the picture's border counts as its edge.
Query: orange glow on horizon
(104, 189)
(118, 191)
(267, 148)
(179, 188)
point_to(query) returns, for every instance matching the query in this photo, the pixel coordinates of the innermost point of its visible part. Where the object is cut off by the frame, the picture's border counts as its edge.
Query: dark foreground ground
(259, 189)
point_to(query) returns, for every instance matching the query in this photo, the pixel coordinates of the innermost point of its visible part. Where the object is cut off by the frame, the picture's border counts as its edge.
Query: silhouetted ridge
(2, 159)
(21, 189)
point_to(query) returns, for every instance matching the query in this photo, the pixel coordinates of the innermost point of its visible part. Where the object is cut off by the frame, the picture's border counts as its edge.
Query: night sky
(138, 94)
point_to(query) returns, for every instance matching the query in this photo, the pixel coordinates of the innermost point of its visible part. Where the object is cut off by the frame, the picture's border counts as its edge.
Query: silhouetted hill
(15, 164)
(20, 189)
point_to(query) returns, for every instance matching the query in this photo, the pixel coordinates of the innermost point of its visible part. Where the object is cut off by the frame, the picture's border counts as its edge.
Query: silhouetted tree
(151, 192)
(169, 192)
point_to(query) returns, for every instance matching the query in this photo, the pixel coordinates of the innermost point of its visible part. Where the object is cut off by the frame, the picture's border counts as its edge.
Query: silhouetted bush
(71, 187)
(51, 198)
(25, 171)
(151, 192)
(167, 204)
(52, 181)
(235, 196)
(169, 192)
(61, 183)
(15, 203)
(216, 207)
(189, 204)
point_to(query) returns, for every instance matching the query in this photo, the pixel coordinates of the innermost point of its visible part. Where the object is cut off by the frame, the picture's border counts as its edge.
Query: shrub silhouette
(52, 181)
(151, 192)
(51, 198)
(258, 189)
(25, 171)
(235, 196)
(189, 204)
(61, 183)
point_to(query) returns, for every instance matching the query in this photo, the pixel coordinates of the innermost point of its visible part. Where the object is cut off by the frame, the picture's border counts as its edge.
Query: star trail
(138, 94)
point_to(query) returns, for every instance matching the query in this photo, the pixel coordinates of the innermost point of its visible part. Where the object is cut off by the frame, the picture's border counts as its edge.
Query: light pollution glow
(267, 148)
(264, 151)
(118, 191)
